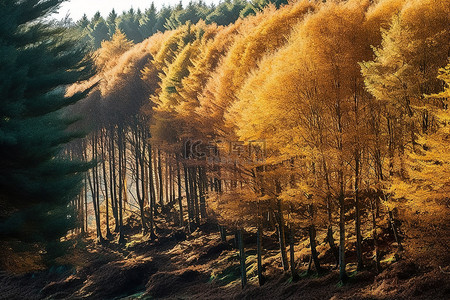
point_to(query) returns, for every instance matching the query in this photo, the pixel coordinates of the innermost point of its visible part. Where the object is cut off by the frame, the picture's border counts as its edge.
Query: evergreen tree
(162, 16)
(98, 30)
(37, 181)
(226, 12)
(111, 22)
(129, 25)
(148, 21)
(83, 22)
(193, 13)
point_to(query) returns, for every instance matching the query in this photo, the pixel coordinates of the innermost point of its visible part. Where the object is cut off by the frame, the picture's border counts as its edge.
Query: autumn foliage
(349, 97)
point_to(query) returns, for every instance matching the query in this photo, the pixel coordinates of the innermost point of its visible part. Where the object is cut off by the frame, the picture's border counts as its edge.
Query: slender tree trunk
(172, 183)
(330, 237)
(114, 186)
(166, 178)
(151, 181)
(161, 194)
(83, 199)
(94, 193)
(105, 181)
(294, 274)
(193, 195)
(211, 184)
(122, 188)
(86, 225)
(156, 176)
(180, 202)
(390, 128)
(169, 176)
(144, 184)
(312, 240)
(188, 198)
(357, 214)
(394, 229)
(223, 234)
(139, 173)
(94, 203)
(203, 180)
(261, 278)
(281, 237)
(112, 182)
(314, 254)
(195, 189)
(375, 237)
(242, 259)
(152, 200)
(97, 183)
(342, 264)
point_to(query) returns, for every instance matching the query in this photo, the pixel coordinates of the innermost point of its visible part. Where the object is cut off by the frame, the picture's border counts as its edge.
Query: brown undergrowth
(177, 265)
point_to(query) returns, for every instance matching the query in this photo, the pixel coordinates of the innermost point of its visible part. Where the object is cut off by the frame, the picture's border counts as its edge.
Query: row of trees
(138, 25)
(315, 114)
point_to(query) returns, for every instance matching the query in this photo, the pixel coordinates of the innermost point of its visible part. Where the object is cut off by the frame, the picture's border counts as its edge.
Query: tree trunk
(121, 183)
(171, 185)
(375, 237)
(342, 264)
(314, 255)
(188, 197)
(86, 206)
(195, 191)
(138, 174)
(152, 200)
(105, 181)
(236, 239)
(223, 234)
(394, 229)
(242, 259)
(180, 202)
(294, 274)
(202, 182)
(357, 215)
(161, 194)
(141, 152)
(281, 237)
(261, 278)
(330, 237)
(166, 179)
(96, 182)
(113, 181)
(151, 181)
(94, 192)
(308, 271)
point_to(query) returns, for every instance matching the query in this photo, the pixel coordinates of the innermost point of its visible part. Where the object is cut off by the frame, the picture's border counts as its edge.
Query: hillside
(256, 149)
(200, 266)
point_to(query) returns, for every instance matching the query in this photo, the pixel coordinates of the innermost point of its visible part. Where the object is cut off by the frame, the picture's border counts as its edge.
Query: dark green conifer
(37, 182)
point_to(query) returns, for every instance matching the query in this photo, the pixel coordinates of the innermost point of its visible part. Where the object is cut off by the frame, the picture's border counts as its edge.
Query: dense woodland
(324, 121)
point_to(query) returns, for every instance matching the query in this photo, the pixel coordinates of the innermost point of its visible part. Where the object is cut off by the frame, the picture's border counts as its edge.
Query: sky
(76, 8)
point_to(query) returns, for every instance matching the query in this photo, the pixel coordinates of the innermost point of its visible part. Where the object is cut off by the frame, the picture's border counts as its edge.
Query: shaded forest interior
(262, 149)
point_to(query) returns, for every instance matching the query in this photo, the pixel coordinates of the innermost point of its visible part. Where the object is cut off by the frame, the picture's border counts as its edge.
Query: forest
(252, 149)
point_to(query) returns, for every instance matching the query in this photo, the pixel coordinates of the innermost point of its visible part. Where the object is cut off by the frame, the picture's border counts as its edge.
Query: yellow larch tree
(250, 46)
(112, 49)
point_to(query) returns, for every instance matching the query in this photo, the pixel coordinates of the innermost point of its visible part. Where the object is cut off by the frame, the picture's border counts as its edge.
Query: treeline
(308, 117)
(138, 25)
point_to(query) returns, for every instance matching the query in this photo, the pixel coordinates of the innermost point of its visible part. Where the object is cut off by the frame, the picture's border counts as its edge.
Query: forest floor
(200, 266)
